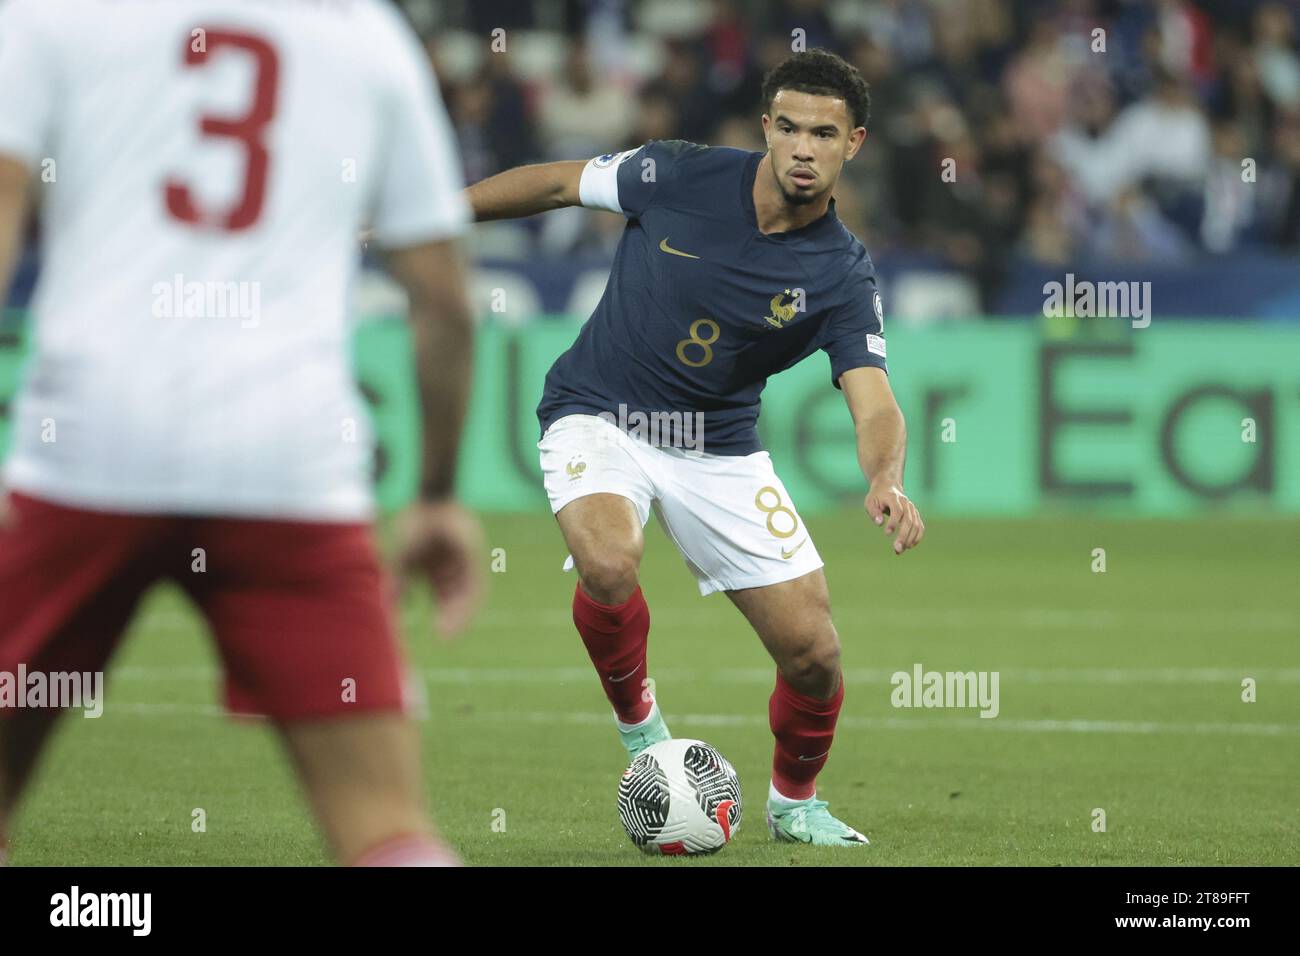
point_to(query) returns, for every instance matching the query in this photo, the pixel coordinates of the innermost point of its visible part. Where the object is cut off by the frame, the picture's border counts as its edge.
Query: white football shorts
(729, 515)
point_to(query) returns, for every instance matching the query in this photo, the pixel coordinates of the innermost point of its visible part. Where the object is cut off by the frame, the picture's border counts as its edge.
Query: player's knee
(815, 669)
(611, 577)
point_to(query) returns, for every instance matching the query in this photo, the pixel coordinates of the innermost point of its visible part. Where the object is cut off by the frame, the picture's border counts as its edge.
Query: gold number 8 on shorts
(772, 511)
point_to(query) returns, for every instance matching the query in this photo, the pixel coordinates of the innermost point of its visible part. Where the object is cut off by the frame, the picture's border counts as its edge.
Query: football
(680, 797)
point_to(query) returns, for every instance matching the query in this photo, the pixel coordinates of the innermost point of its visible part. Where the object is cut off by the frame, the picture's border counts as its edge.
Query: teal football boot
(637, 737)
(809, 821)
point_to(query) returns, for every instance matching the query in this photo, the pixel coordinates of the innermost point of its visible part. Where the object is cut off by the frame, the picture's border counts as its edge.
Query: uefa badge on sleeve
(611, 159)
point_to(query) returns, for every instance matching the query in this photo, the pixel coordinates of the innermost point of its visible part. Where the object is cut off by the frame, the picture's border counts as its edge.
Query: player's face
(809, 138)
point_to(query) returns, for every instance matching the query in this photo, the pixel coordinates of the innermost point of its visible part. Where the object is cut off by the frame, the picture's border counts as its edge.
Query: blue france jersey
(701, 307)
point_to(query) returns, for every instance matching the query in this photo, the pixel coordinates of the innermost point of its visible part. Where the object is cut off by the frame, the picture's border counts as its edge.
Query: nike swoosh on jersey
(664, 247)
(787, 555)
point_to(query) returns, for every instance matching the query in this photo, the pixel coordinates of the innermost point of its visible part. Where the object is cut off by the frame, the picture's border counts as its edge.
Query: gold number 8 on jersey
(772, 511)
(695, 339)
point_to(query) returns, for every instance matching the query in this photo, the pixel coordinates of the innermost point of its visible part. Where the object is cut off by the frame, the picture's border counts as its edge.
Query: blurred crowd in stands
(1146, 131)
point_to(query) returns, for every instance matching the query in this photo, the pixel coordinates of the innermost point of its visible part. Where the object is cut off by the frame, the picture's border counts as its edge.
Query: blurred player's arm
(26, 64)
(442, 334)
(14, 196)
(526, 191)
(441, 541)
(882, 450)
(14, 185)
(415, 215)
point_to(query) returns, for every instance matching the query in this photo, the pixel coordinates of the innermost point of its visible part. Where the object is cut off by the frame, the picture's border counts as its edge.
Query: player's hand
(442, 543)
(894, 512)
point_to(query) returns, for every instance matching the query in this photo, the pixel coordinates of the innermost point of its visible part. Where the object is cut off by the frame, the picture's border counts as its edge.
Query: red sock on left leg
(804, 728)
(616, 636)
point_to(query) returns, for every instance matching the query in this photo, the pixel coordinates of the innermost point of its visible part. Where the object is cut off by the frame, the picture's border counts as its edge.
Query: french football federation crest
(781, 314)
(575, 468)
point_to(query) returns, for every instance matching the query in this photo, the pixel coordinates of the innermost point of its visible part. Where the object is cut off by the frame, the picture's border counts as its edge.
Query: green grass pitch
(1120, 691)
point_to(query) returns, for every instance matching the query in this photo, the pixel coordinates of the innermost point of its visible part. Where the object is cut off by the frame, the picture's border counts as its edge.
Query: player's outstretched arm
(526, 191)
(440, 541)
(882, 449)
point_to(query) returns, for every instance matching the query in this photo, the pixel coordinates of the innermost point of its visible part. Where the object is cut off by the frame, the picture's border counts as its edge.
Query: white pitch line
(143, 709)
(917, 722)
(963, 619)
(765, 675)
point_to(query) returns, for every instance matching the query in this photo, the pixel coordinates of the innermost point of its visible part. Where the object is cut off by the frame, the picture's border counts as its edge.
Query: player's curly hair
(821, 73)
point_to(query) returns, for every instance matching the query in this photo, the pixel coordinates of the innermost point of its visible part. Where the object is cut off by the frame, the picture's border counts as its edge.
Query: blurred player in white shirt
(204, 169)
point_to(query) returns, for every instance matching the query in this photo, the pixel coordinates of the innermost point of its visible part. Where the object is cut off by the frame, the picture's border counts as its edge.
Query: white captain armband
(598, 188)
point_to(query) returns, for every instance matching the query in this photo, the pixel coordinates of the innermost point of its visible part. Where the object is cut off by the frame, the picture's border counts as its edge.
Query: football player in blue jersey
(733, 266)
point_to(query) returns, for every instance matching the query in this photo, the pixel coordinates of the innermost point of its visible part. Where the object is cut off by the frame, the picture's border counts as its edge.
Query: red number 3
(247, 130)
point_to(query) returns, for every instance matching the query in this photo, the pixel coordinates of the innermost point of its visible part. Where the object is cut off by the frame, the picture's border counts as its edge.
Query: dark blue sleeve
(853, 336)
(647, 177)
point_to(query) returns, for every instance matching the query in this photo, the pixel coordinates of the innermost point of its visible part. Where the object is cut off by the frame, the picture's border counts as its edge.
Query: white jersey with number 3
(205, 168)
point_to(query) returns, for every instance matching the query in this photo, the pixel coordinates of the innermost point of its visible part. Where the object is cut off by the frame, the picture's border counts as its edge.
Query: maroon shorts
(297, 609)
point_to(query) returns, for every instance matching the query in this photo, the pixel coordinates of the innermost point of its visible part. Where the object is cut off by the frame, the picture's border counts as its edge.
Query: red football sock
(615, 635)
(804, 728)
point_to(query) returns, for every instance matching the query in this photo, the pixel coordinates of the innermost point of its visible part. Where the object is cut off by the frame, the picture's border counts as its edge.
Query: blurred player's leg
(793, 619)
(604, 535)
(362, 776)
(70, 580)
(305, 635)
